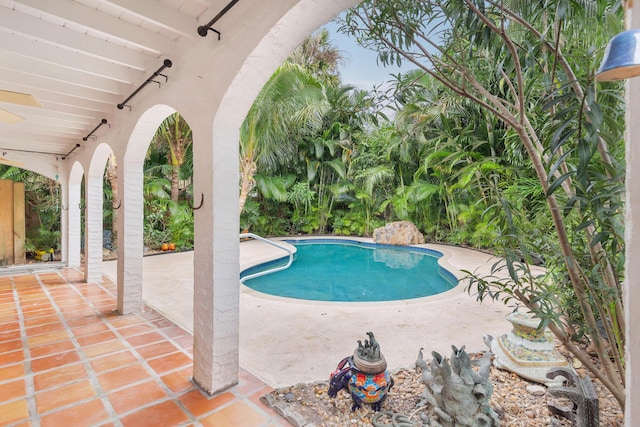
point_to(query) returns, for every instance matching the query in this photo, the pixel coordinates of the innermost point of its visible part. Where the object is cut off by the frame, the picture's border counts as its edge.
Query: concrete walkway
(285, 341)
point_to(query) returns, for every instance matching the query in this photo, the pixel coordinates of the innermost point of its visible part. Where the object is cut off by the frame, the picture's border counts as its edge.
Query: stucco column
(216, 260)
(93, 229)
(632, 243)
(130, 237)
(71, 208)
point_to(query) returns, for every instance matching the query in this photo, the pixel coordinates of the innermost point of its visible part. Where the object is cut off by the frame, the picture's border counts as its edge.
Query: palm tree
(318, 56)
(175, 133)
(328, 153)
(291, 100)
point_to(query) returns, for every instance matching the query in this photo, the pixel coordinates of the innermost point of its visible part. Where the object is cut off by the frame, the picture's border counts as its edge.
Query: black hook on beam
(69, 153)
(203, 30)
(119, 204)
(199, 206)
(102, 122)
(166, 64)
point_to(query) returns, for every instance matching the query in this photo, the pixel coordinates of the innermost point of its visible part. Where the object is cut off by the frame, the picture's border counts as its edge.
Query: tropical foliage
(168, 169)
(505, 102)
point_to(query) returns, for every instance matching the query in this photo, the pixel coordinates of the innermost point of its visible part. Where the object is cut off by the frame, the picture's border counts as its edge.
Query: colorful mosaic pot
(369, 388)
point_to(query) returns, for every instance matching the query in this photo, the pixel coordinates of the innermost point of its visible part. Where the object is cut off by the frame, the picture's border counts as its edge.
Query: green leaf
(556, 183)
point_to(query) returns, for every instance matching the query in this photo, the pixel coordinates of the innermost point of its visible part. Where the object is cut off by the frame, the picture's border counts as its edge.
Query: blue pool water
(340, 270)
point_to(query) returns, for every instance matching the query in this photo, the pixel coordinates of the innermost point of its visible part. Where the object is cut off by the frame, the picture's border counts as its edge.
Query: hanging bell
(621, 57)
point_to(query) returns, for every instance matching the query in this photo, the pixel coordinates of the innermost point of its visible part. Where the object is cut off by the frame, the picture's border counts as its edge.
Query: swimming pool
(352, 271)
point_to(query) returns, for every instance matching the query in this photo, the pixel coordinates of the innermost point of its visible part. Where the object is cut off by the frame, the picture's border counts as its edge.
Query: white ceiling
(80, 58)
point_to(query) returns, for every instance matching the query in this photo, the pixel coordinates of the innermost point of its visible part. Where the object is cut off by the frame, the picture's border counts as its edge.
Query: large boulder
(398, 233)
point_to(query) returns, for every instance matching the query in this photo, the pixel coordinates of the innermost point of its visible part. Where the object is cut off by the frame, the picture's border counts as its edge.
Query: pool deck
(285, 342)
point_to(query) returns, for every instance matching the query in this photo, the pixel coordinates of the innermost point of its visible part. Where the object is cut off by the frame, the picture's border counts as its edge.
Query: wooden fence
(12, 223)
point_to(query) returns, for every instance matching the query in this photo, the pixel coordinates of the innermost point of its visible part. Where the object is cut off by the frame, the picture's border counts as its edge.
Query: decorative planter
(364, 375)
(528, 351)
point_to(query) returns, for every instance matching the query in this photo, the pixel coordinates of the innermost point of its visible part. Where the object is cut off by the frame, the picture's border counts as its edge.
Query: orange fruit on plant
(172, 246)
(164, 247)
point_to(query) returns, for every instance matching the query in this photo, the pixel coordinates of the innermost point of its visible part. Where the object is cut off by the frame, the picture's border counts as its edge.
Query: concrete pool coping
(285, 341)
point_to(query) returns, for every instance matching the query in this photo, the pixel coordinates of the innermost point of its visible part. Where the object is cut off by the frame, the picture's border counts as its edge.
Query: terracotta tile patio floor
(68, 359)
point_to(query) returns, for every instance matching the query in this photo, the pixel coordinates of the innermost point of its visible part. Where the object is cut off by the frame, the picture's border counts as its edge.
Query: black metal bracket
(199, 206)
(69, 153)
(102, 122)
(166, 64)
(203, 30)
(119, 204)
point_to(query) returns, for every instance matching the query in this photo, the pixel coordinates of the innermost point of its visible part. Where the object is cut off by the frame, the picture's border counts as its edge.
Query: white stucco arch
(143, 132)
(130, 224)
(216, 260)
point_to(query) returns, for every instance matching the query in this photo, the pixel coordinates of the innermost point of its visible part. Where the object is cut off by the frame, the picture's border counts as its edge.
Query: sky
(360, 68)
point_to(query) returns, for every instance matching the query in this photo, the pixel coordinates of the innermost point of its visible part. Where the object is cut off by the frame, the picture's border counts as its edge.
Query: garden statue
(364, 375)
(458, 394)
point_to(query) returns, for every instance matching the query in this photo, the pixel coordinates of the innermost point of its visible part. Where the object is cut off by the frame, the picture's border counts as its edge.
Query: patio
(68, 359)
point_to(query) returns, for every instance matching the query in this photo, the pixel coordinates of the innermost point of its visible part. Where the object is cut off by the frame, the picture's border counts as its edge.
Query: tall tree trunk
(176, 158)
(175, 182)
(247, 171)
(112, 177)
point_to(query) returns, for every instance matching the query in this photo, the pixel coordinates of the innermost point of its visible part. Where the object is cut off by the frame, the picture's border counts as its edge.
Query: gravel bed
(517, 401)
